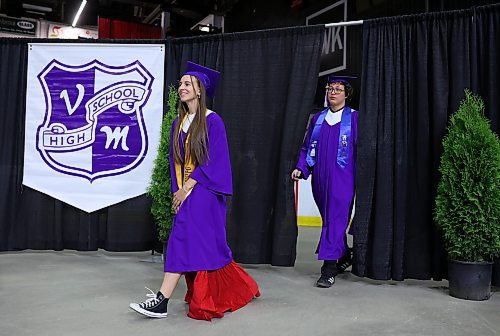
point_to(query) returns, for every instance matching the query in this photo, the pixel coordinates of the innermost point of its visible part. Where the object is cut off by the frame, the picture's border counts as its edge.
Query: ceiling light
(77, 16)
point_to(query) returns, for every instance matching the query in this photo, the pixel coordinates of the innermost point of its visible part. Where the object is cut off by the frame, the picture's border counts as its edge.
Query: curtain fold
(485, 55)
(267, 107)
(13, 70)
(265, 95)
(415, 70)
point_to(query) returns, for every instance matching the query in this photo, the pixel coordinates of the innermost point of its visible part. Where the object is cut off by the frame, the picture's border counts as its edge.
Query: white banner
(93, 118)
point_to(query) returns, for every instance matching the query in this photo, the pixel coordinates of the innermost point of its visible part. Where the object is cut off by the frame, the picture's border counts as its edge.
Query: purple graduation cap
(207, 76)
(340, 79)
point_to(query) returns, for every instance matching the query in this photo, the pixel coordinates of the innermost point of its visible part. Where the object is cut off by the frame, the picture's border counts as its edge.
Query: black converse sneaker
(325, 281)
(155, 306)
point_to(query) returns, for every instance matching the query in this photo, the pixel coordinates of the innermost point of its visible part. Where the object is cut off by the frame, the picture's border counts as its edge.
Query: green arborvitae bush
(468, 195)
(160, 189)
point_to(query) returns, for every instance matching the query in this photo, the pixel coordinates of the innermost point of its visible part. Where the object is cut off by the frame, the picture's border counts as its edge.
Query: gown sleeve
(215, 173)
(302, 163)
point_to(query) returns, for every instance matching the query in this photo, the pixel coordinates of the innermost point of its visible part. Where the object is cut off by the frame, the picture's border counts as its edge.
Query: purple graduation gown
(332, 185)
(198, 238)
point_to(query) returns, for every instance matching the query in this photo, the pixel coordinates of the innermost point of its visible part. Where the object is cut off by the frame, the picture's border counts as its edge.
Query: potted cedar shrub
(468, 197)
(160, 189)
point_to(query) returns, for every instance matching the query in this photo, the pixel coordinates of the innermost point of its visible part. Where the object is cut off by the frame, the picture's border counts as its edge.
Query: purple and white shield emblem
(93, 125)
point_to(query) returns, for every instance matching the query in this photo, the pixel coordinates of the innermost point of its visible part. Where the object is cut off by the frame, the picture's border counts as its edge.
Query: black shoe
(325, 281)
(155, 306)
(345, 261)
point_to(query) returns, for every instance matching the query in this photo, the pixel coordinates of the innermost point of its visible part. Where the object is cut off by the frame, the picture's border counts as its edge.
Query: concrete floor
(87, 293)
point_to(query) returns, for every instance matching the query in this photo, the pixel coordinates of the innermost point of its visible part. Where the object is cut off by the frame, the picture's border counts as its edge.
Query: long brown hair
(198, 134)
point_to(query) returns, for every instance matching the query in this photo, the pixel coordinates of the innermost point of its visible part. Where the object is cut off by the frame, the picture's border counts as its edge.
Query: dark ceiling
(183, 13)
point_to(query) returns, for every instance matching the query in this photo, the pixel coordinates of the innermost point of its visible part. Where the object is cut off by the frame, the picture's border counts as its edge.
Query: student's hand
(179, 197)
(296, 174)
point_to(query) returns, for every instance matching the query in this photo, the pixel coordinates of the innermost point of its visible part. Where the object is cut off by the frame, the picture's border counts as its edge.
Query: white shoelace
(152, 301)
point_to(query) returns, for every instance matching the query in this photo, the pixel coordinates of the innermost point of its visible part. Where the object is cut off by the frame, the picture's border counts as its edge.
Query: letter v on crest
(64, 95)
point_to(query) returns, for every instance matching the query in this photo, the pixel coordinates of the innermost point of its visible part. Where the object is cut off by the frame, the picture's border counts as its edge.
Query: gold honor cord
(188, 163)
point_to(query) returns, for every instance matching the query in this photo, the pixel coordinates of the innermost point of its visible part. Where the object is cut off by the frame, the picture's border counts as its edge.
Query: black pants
(329, 268)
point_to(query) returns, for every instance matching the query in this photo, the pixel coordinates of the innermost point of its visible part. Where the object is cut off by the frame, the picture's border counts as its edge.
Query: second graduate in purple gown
(328, 153)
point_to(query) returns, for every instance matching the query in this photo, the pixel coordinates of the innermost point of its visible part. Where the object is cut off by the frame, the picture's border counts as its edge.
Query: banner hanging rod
(348, 23)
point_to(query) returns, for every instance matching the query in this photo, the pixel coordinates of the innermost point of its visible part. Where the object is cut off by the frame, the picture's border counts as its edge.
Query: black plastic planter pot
(495, 279)
(469, 280)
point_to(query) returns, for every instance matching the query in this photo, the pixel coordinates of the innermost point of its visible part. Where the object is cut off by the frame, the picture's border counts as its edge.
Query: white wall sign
(68, 32)
(333, 55)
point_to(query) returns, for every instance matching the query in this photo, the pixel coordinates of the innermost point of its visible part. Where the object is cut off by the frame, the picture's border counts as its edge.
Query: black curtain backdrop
(415, 70)
(485, 55)
(13, 67)
(265, 96)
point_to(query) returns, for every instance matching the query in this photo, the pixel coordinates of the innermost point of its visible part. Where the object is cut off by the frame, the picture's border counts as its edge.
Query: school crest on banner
(105, 124)
(92, 121)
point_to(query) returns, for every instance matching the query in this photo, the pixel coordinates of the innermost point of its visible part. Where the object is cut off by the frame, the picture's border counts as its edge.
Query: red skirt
(212, 293)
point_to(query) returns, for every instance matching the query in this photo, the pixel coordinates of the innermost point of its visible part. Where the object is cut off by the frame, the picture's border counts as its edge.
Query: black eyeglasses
(335, 90)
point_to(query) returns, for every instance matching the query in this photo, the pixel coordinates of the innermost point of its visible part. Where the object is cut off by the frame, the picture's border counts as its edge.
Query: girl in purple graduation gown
(329, 154)
(201, 181)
